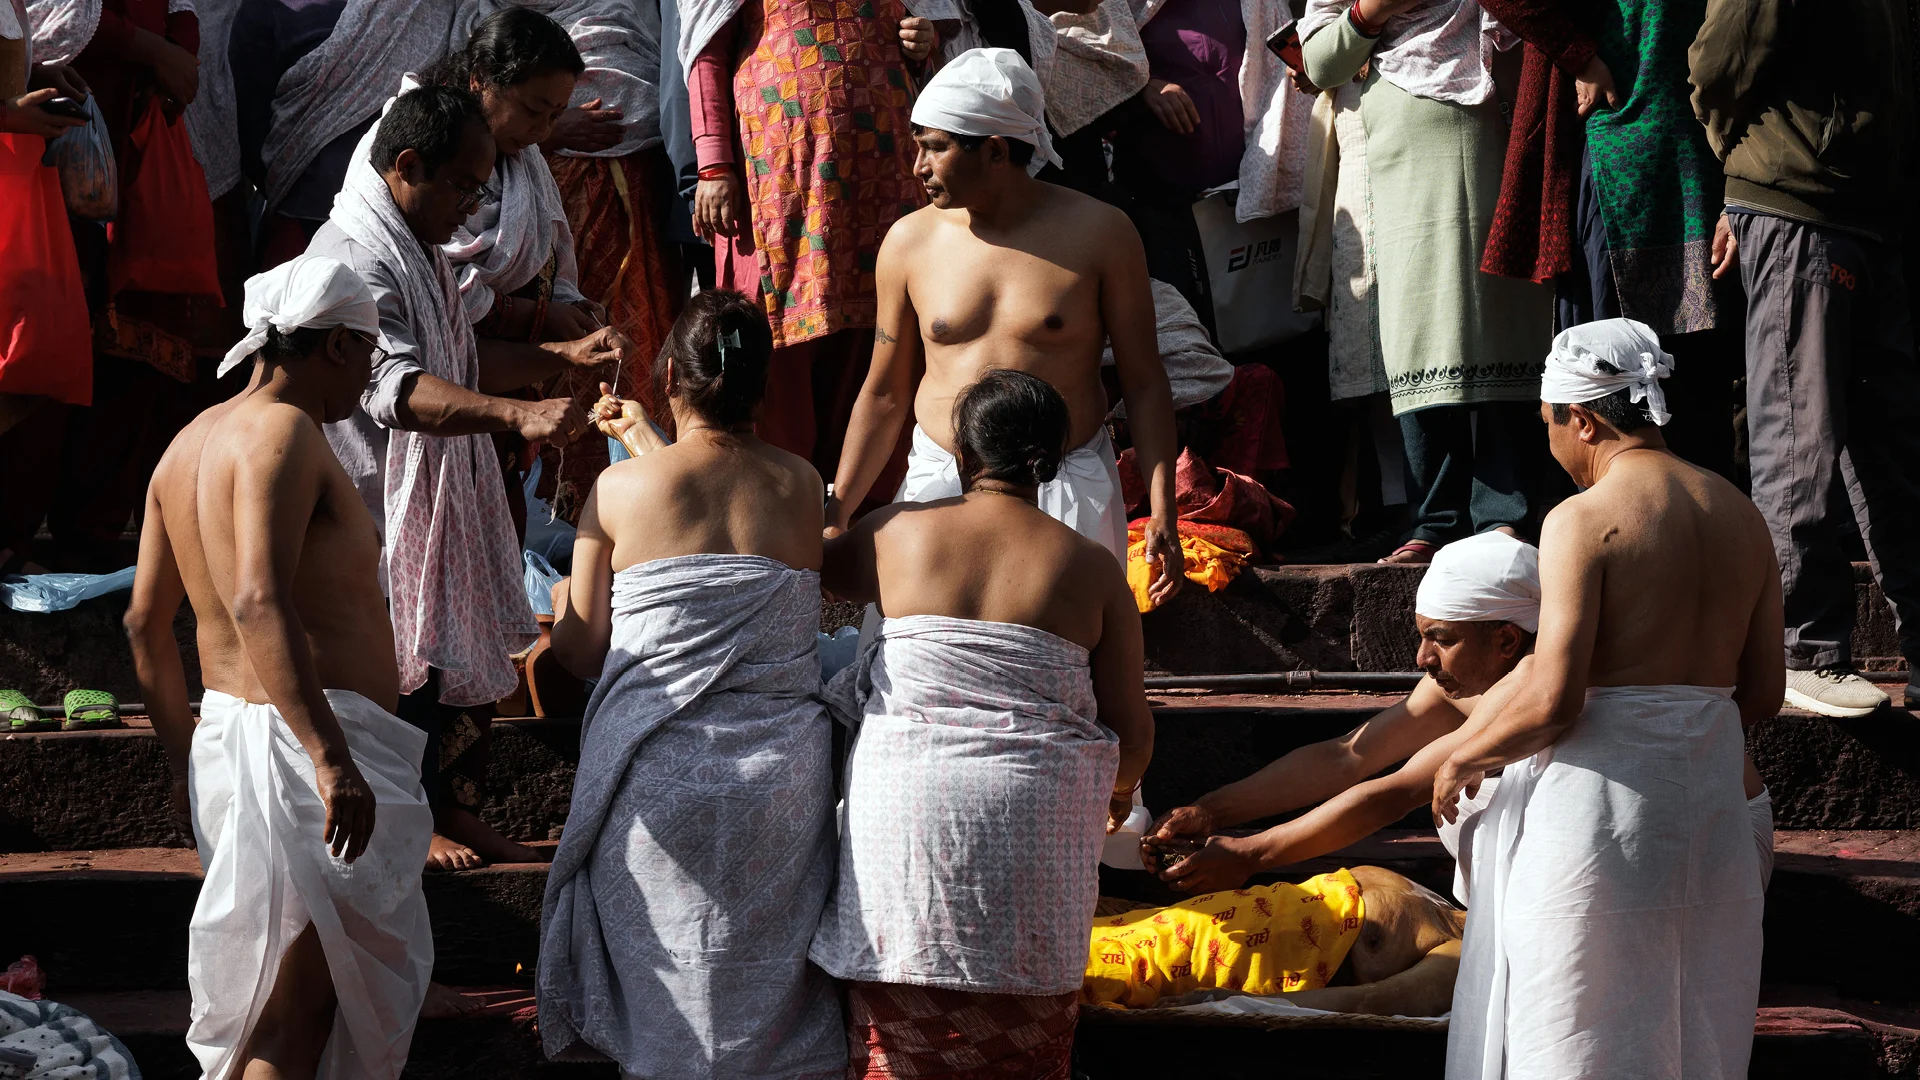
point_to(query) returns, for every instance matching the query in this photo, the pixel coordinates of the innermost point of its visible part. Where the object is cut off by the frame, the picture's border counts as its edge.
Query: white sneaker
(1834, 691)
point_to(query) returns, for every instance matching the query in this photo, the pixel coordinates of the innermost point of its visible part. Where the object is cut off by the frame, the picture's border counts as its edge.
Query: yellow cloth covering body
(1270, 939)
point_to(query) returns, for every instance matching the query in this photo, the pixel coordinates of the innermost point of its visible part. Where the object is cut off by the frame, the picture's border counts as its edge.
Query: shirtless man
(298, 766)
(1400, 957)
(1617, 934)
(1476, 611)
(1003, 271)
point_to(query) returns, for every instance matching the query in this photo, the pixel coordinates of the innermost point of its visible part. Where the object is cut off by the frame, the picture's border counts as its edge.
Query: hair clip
(727, 340)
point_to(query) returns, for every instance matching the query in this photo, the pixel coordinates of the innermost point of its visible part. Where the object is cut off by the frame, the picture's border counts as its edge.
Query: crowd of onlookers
(1439, 185)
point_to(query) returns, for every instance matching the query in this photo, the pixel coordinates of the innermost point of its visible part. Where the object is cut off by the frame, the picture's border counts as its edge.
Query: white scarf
(1440, 49)
(338, 85)
(1595, 359)
(305, 291)
(453, 561)
(620, 42)
(61, 29)
(1486, 578)
(1089, 64)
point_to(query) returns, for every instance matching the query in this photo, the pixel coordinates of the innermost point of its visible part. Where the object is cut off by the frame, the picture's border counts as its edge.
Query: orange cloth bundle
(1215, 556)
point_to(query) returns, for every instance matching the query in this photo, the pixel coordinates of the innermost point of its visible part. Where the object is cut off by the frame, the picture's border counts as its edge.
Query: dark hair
(724, 394)
(296, 344)
(1018, 152)
(431, 121)
(1618, 409)
(509, 47)
(1011, 427)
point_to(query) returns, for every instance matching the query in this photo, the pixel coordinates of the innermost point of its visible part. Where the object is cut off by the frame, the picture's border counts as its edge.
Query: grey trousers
(1833, 408)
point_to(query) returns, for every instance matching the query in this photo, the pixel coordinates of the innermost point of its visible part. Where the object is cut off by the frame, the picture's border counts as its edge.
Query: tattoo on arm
(884, 337)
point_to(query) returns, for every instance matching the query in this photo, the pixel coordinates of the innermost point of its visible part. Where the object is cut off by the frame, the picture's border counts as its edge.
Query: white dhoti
(1084, 495)
(258, 818)
(1617, 898)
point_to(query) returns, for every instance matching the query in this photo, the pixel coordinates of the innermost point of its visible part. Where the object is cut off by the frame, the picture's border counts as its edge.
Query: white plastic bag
(89, 178)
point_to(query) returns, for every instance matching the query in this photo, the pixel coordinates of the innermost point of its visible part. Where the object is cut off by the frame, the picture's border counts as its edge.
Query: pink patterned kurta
(822, 101)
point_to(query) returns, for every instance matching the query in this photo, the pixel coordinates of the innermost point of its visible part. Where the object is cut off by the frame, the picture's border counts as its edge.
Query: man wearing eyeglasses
(420, 450)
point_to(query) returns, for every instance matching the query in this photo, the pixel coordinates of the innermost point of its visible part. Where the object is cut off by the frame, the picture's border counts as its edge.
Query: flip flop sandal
(1415, 547)
(88, 710)
(17, 714)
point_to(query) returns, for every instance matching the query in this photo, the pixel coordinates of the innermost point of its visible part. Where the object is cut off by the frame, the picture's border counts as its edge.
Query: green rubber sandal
(18, 714)
(88, 710)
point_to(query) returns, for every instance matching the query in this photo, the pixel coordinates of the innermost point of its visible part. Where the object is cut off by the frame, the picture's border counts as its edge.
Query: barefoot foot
(446, 1003)
(484, 840)
(445, 854)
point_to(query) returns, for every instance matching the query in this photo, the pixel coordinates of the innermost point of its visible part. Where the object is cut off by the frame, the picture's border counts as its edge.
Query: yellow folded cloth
(1270, 939)
(1208, 564)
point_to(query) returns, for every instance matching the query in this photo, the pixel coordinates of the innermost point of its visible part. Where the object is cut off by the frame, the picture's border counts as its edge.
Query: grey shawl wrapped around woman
(698, 850)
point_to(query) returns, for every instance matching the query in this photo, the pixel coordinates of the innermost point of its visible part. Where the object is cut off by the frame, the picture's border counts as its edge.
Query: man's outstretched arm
(157, 593)
(1126, 307)
(886, 397)
(275, 491)
(1549, 700)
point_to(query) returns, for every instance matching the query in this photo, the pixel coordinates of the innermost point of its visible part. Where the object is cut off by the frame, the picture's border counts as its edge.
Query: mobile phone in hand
(66, 106)
(1285, 44)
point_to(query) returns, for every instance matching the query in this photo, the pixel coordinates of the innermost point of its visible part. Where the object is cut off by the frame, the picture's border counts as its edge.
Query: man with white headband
(1476, 613)
(1617, 886)
(1003, 271)
(310, 938)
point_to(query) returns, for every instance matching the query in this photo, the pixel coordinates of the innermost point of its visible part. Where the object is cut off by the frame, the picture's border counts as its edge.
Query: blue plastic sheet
(42, 593)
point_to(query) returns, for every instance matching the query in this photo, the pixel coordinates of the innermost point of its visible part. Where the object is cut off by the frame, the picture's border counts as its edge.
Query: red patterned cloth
(822, 101)
(623, 267)
(1532, 233)
(899, 1031)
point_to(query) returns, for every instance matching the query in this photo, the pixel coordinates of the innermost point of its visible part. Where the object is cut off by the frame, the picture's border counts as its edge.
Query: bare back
(1684, 568)
(711, 494)
(1029, 299)
(198, 492)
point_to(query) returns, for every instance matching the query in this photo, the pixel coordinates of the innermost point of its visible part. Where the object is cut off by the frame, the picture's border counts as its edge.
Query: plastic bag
(539, 578)
(547, 536)
(23, 978)
(42, 593)
(89, 178)
(163, 239)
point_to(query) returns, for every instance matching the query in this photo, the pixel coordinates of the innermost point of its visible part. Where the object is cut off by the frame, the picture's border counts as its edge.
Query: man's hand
(1224, 863)
(1594, 85)
(1164, 553)
(918, 38)
(177, 72)
(604, 346)
(25, 116)
(350, 809)
(1182, 823)
(555, 420)
(570, 322)
(60, 77)
(716, 206)
(1726, 249)
(1171, 106)
(586, 128)
(1449, 783)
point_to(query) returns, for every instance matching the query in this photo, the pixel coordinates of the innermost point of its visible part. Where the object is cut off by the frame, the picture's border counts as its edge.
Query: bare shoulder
(909, 231)
(798, 470)
(257, 428)
(1583, 521)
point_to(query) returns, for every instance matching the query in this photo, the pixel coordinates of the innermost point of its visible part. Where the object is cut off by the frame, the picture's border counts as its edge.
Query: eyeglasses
(471, 198)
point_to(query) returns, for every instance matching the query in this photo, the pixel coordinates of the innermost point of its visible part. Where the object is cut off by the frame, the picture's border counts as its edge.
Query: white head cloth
(1487, 578)
(985, 92)
(307, 291)
(1595, 359)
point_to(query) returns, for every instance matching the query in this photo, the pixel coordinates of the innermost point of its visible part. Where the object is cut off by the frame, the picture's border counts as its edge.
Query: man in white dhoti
(1003, 271)
(309, 950)
(1614, 929)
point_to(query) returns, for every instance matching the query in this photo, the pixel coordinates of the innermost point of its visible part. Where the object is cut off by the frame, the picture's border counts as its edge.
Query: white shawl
(61, 28)
(338, 85)
(619, 40)
(1088, 64)
(212, 122)
(453, 562)
(1440, 49)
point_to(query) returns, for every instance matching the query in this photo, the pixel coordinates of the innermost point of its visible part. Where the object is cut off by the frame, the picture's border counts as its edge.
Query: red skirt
(46, 342)
(897, 1032)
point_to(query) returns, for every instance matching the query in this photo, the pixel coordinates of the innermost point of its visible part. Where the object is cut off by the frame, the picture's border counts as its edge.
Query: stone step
(74, 791)
(1798, 1033)
(1341, 617)
(115, 920)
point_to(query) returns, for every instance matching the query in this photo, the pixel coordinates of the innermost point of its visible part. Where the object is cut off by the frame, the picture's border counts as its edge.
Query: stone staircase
(98, 884)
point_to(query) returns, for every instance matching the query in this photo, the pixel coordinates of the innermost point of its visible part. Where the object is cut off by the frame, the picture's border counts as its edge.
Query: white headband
(1486, 578)
(307, 291)
(1595, 359)
(985, 92)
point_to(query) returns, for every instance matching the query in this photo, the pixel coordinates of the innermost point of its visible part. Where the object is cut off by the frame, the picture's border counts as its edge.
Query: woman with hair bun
(698, 850)
(1002, 727)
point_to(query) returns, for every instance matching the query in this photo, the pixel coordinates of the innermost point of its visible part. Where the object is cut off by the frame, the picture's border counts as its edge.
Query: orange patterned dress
(822, 102)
